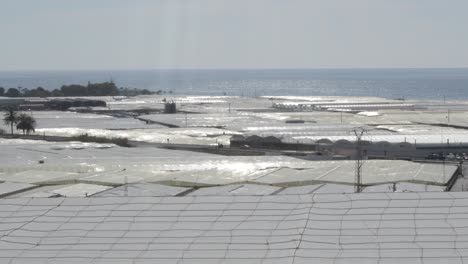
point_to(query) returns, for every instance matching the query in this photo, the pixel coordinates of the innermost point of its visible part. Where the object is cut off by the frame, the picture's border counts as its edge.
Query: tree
(11, 117)
(57, 93)
(102, 89)
(26, 123)
(74, 90)
(41, 92)
(13, 92)
(2, 91)
(38, 92)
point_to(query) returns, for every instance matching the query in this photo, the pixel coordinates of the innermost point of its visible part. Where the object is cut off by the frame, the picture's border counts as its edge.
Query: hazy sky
(149, 34)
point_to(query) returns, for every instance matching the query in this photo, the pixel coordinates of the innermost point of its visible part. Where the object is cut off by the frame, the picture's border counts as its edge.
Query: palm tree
(26, 123)
(10, 117)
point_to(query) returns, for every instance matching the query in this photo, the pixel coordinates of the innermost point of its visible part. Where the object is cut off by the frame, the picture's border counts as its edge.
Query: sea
(431, 84)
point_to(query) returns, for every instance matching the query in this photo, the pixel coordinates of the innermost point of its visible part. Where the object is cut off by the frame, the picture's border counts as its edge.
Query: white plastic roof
(404, 187)
(335, 188)
(117, 166)
(306, 189)
(81, 190)
(17, 190)
(329, 188)
(236, 189)
(19, 155)
(8, 188)
(373, 172)
(40, 192)
(39, 176)
(143, 189)
(321, 228)
(68, 119)
(197, 136)
(441, 138)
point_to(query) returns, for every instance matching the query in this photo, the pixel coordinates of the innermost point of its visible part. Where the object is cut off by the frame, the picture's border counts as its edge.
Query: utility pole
(359, 162)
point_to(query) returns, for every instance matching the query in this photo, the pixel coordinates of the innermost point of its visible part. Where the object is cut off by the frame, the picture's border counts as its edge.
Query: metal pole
(126, 186)
(359, 162)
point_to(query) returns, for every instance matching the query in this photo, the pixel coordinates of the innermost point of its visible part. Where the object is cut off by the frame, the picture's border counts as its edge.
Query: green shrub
(123, 142)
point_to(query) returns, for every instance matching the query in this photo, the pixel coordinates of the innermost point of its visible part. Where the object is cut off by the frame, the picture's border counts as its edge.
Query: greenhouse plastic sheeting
(373, 172)
(8, 188)
(236, 189)
(41, 192)
(320, 228)
(404, 187)
(80, 190)
(143, 189)
(41, 177)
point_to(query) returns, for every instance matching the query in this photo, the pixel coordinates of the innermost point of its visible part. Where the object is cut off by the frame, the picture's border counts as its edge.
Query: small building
(64, 104)
(170, 108)
(8, 101)
(237, 141)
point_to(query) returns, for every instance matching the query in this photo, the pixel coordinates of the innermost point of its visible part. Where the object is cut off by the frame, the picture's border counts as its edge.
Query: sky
(232, 34)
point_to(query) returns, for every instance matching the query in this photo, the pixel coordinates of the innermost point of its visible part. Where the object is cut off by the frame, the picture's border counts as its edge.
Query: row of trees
(23, 121)
(92, 89)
